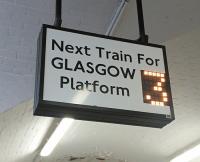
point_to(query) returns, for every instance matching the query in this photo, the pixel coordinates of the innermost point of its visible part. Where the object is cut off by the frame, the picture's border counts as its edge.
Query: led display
(154, 87)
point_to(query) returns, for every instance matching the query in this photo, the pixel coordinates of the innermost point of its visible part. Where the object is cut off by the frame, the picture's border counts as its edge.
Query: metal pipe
(116, 18)
(58, 13)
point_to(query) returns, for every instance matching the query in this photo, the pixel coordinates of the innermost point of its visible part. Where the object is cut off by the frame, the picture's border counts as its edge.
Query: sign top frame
(45, 26)
(92, 113)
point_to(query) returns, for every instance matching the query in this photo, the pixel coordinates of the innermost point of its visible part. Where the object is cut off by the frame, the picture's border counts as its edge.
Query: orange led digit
(148, 97)
(153, 102)
(165, 99)
(146, 73)
(161, 103)
(154, 88)
(159, 84)
(164, 94)
(158, 74)
(150, 73)
(162, 80)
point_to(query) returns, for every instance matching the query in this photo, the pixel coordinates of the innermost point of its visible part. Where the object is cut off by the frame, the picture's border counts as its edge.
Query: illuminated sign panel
(155, 88)
(100, 78)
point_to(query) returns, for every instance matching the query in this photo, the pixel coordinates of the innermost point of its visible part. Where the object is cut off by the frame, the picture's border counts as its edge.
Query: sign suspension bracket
(58, 13)
(143, 38)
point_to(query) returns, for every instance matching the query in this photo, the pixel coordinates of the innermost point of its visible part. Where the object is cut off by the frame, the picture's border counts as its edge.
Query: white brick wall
(20, 22)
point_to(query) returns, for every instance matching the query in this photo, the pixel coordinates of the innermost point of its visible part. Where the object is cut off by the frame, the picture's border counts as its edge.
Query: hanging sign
(99, 78)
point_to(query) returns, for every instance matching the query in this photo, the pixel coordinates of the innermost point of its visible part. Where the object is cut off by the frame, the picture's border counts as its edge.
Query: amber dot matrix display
(155, 88)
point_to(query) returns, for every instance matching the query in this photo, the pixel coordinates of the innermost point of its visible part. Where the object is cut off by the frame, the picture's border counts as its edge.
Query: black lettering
(104, 89)
(87, 85)
(72, 83)
(63, 80)
(66, 65)
(60, 47)
(157, 60)
(57, 62)
(111, 73)
(127, 57)
(86, 51)
(79, 66)
(121, 55)
(111, 90)
(78, 50)
(149, 61)
(79, 86)
(107, 54)
(122, 90)
(100, 51)
(103, 70)
(95, 84)
(140, 57)
(69, 48)
(128, 73)
(91, 69)
(115, 56)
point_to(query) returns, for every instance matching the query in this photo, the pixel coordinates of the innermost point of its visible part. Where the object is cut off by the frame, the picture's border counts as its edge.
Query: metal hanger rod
(58, 16)
(143, 37)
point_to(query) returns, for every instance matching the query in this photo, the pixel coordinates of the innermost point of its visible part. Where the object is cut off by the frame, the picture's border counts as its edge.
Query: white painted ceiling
(175, 23)
(21, 21)
(164, 19)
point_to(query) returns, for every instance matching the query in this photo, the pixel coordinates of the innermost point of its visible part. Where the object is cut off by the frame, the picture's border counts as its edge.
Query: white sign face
(94, 71)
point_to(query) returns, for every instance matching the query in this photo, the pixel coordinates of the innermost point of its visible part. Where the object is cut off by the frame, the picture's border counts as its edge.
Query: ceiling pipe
(143, 37)
(114, 22)
(116, 17)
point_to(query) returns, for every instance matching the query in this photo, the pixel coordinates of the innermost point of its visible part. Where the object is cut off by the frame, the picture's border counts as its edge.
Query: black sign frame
(93, 113)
